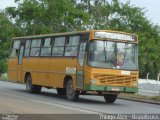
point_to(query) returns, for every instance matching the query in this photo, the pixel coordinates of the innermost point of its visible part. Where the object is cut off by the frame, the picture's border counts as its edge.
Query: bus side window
(15, 48)
(35, 47)
(58, 47)
(81, 55)
(72, 46)
(27, 48)
(46, 47)
(82, 48)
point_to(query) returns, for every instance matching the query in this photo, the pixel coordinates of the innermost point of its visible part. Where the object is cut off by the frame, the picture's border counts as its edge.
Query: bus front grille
(116, 80)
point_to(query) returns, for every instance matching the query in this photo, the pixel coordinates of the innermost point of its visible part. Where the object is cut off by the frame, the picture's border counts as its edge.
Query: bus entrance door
(20, 58)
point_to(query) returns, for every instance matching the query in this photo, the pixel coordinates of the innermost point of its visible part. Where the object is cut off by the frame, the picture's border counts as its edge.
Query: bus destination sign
(115, 36)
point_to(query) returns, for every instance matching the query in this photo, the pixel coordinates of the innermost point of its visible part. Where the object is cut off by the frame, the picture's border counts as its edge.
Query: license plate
(115, 89)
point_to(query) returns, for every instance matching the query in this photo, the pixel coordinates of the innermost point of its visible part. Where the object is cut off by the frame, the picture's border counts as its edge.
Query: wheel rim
(70, 90)
(110, 98)
(28, 84)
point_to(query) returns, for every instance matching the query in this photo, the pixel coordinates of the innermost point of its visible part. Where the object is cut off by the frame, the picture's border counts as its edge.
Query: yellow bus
(101, 62)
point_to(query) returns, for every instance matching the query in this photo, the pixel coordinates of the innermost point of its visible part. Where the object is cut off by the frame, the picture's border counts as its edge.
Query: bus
(95, 62)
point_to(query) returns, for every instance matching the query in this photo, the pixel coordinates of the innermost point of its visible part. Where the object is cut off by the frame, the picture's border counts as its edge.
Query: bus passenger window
(46, 47)
(57, 51)
(14, 53)
(72, 46)
(81, 55)
(15, 49)
(35, 47)
(58, 47)
(27, 48)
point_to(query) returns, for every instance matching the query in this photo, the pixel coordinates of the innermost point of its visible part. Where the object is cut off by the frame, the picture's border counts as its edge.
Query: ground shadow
(53, 94)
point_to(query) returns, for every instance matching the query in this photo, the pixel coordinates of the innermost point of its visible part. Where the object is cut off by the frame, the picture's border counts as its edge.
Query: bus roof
(49, 35)
(66, 33)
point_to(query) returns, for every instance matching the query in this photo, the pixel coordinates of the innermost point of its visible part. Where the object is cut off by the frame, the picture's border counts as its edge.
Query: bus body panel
(110, 77)
(49, 71)
(13, 69)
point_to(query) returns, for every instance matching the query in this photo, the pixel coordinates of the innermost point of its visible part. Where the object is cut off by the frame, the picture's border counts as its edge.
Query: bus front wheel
(110, 98)
(30, 87)
(71, 94)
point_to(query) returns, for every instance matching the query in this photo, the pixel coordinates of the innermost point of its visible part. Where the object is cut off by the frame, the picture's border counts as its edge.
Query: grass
(140, 97)
(3, 78)
(156, 98)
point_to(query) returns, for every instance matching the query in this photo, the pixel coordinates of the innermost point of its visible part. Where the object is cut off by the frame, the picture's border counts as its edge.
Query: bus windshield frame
(112, 55)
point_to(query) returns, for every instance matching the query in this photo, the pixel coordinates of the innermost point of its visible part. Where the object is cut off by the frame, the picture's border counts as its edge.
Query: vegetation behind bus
(61, 15)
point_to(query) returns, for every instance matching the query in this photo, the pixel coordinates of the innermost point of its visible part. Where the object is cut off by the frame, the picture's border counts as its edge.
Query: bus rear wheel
(71, 94)
(32, 88)
(110, 98)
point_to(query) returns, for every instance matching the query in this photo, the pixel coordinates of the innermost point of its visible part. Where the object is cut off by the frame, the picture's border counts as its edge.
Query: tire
(71, 94)
(61, 91)
(32, 88)
(110, 98)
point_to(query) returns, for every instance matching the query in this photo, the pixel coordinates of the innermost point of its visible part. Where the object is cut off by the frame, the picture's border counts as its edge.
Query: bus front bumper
(111, 88)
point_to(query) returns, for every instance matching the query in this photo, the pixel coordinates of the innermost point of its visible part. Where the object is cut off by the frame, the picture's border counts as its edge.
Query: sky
(151, 6)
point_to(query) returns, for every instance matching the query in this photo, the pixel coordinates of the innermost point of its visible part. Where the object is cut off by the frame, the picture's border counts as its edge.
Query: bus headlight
(93, 81)
(135, 84)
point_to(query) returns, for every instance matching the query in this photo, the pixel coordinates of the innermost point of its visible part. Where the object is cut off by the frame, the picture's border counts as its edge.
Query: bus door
(80, 70)
(13, 61)
(20, 58)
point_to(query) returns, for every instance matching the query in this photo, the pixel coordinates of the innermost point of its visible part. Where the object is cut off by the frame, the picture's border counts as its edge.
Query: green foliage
(47, 16)
(6, 33)
(3, 66)
(115, 15)
(156, 98)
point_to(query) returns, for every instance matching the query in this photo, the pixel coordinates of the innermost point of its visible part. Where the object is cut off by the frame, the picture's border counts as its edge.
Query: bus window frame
(35, 47)
(78, 45)
(51, 46)
(83, 40)
(11, 48)
(111, 41)
(27, 48)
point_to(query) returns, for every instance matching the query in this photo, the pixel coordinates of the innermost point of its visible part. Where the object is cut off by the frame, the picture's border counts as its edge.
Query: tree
(115, 15)
(47, 16)
(6, 33)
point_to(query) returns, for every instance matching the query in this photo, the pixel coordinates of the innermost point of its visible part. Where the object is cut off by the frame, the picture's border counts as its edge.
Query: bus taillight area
(110, 80)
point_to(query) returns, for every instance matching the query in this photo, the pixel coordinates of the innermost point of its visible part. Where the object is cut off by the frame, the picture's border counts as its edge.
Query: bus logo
(70, 70)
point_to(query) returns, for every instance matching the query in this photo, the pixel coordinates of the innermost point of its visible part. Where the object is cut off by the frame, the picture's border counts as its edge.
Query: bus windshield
(115, 55)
